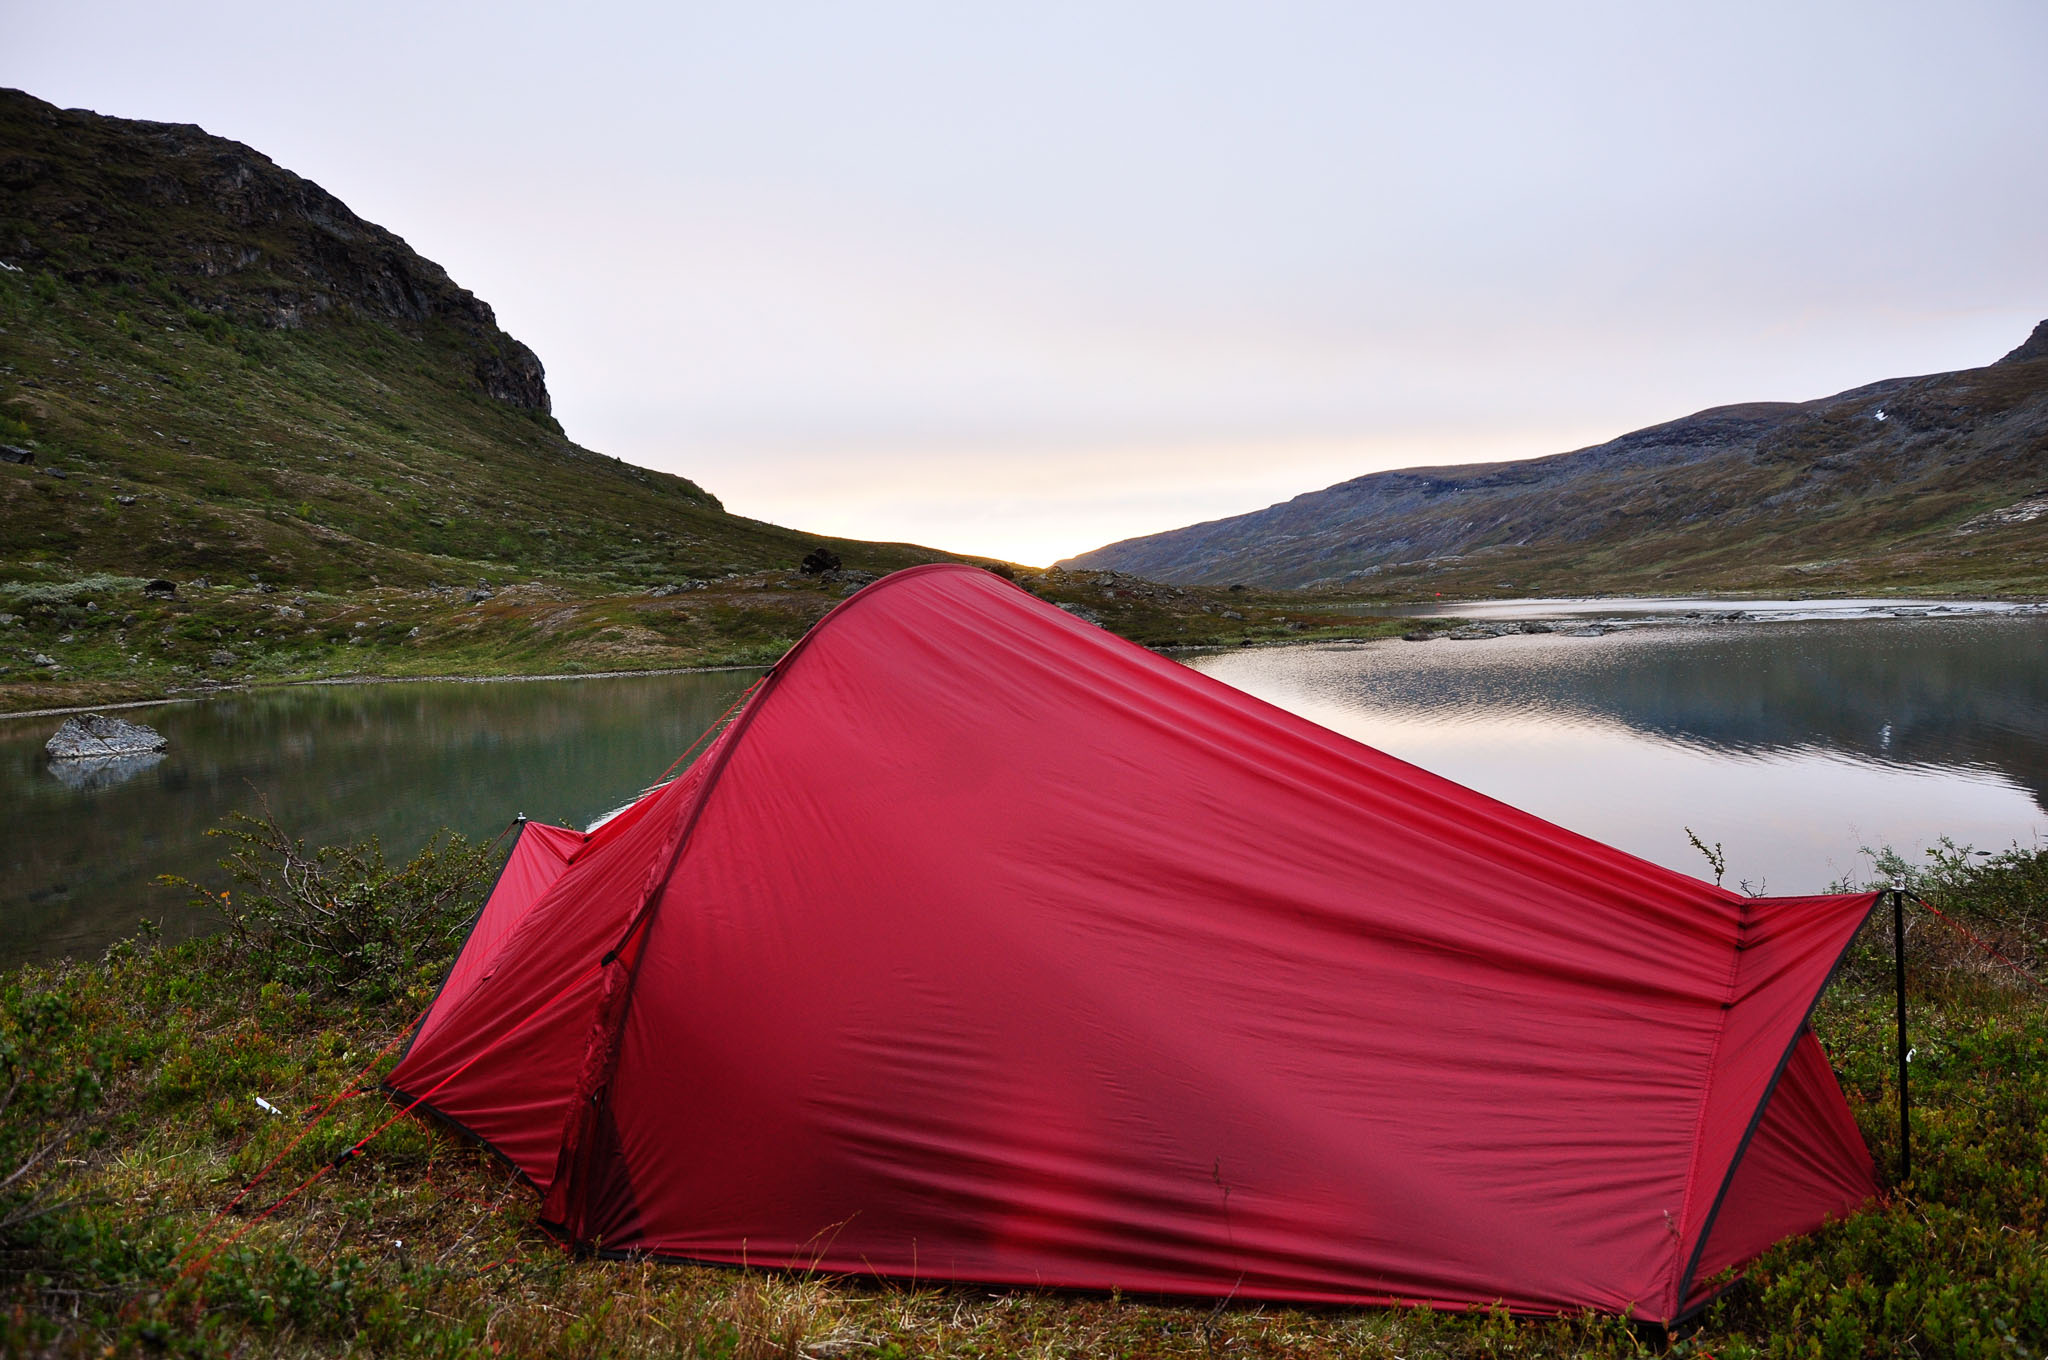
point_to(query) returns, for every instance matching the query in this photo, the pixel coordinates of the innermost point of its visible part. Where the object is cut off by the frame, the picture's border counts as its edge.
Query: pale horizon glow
(1025, 281)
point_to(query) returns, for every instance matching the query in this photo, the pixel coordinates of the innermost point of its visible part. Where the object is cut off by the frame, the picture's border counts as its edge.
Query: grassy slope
(283, 409)
(1883, 518)
(344, 473)
(424, 1246)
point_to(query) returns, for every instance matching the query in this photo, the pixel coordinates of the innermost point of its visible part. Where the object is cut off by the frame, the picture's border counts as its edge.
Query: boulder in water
(99, 737)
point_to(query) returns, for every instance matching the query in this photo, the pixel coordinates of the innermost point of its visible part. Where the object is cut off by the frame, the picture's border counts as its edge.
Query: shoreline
(220, 691)
(1574, 612)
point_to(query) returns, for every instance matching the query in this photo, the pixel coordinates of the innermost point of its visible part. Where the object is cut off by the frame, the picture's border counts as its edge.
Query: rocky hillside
(109, 202)
(1937, 482)
(209, 366)
(248, 437)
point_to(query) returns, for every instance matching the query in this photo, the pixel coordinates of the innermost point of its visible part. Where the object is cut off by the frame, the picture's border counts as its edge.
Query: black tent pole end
(1899, 980)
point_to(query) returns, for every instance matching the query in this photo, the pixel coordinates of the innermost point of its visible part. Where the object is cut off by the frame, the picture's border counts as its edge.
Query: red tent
(983, 945)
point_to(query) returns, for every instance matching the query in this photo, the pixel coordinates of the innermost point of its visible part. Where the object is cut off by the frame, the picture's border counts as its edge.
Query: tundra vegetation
(145, 1089)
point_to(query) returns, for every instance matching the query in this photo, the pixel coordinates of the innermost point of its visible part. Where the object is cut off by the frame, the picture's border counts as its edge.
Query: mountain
(1937, 482)
(216, 376)
(247, 436)
(286, 390)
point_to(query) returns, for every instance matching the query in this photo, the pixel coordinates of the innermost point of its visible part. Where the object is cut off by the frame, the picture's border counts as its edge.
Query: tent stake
(1899, 978)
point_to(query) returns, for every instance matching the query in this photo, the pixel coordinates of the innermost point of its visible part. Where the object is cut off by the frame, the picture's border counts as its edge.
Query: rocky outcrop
(2036, 347)
(236, 234)
(99, 737)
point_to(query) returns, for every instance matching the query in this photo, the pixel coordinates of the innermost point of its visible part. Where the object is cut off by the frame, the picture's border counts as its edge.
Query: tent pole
(1899, 979)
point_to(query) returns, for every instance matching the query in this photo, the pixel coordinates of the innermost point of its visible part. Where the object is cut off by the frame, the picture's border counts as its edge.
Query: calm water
(334, 762)
(1682, 606)
(1791, 743)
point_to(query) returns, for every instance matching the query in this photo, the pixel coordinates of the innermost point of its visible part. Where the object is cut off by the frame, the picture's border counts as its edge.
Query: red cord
(715, 727)
(1979, 941)
(351, 1090)
(199, 1266)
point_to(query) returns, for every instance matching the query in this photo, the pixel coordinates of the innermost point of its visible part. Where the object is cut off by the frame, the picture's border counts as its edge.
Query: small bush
(339, 918)
(1983, 902)
(50, 1082)
(99, 584)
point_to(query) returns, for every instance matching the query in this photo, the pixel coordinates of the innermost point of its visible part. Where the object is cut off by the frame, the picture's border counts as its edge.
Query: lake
(333, 762)
(1679, 608)
(1792, 743)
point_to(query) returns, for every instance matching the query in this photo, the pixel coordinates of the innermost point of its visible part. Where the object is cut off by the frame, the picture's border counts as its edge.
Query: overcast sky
(1022, 280)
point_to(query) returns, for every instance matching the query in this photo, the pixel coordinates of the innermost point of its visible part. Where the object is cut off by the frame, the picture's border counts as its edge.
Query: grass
(103, 638)
(138, 1076)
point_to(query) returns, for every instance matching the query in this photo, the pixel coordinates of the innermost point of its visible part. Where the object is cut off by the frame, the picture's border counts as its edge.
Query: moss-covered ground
(133, 1086)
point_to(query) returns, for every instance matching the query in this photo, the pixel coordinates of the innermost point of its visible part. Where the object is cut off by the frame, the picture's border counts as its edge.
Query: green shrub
(100, 584)
(49, 1086)
(1990, 910)
(339, 918)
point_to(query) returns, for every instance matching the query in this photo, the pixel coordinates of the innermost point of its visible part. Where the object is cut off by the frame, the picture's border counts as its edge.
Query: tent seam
(729, 740)
(726, 744)
(468, 934)
(1756, 1116)
(643, 921)
(1692, 1168)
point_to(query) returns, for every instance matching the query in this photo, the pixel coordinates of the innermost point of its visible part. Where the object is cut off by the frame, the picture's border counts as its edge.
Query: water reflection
(1710, 606)
(1792, 743)
(81, 854)
(102, 772)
